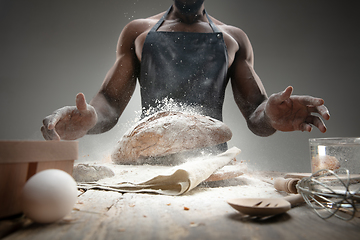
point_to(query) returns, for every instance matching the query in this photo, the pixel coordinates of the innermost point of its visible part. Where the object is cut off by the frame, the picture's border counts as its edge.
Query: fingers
(49, 134)
(300, 112)
(52, 120)
(62, 115)
(322, 110)
(315, 121)
(287, 93)
(283, 96)
(310, 101)
(48, 129)
(305, 127)
(81, 102)
(305, 100)
(314, 105)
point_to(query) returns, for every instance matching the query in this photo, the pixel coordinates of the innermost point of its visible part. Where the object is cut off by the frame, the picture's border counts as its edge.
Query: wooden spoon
(262, 207)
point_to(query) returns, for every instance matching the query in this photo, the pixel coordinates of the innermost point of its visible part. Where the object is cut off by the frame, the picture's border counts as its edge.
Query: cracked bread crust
(166, 133)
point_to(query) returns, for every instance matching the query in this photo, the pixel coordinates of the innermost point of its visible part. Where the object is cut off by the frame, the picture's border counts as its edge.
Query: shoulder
(237, 33)
(138, 27)
(244, 50)
(142, 24)
(135, 32)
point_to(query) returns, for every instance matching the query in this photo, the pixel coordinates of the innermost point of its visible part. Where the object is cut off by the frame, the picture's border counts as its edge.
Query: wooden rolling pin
(287, 185)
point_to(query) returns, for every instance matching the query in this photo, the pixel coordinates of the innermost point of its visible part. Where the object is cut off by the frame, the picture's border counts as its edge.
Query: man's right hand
(71, 122)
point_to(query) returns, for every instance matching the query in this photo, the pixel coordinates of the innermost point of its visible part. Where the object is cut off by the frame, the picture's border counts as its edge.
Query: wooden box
(19, 160)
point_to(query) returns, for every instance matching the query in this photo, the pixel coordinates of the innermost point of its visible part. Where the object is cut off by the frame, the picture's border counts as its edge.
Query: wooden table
(201, 214)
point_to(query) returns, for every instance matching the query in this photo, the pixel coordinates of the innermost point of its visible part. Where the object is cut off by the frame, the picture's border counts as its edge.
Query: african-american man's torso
(143, 26)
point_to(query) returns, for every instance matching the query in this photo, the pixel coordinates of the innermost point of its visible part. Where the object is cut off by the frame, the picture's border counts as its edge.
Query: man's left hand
(291, 113)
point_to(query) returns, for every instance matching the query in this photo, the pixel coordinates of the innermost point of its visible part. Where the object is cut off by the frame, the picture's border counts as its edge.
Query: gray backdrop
(51, 50)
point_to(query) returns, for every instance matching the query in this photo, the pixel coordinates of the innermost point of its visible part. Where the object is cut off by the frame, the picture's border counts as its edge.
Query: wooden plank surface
(200, 214)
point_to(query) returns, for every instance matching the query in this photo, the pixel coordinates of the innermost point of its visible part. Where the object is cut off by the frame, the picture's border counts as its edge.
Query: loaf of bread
(166, 133)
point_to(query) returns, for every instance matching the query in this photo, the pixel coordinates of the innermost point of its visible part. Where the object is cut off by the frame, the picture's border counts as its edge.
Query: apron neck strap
(212, 25)
(158, 24)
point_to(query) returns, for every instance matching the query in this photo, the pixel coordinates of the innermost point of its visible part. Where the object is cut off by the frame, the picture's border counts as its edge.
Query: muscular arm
(119, 83)
(249, 92)
(281, 111)
(104, 110)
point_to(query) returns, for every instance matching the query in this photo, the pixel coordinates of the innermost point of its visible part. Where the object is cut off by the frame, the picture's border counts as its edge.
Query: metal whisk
(331, 193)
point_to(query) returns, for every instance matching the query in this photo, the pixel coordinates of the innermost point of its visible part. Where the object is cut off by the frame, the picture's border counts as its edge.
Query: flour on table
(166, 180)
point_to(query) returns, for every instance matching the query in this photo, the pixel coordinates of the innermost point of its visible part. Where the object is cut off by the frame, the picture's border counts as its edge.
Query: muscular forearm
(259, 122)
(107, 115)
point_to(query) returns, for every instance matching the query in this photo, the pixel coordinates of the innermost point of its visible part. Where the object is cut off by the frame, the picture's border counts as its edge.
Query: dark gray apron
(188, 68)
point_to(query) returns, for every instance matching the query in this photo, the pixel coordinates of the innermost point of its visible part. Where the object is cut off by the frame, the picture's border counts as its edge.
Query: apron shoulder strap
(212, 25)
(157, 25)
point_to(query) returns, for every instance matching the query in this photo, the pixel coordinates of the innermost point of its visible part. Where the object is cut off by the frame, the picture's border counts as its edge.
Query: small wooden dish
(19, 160)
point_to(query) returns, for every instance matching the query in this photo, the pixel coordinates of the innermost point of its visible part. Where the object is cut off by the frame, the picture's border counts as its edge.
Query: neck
(187, 14)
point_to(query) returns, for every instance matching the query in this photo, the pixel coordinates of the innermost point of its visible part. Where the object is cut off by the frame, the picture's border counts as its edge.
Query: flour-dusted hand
(70, 122)
(288, 112)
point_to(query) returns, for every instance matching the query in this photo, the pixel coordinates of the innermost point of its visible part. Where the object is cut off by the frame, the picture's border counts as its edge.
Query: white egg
(48, 196)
